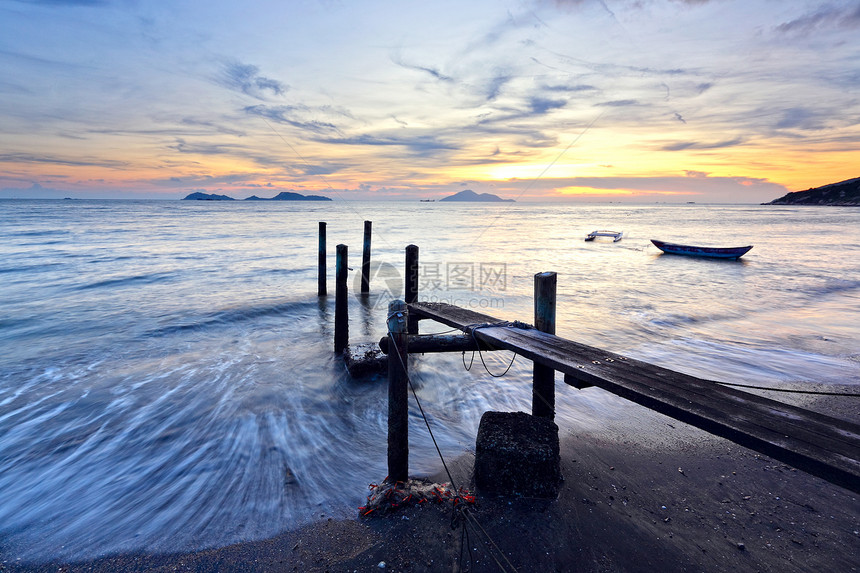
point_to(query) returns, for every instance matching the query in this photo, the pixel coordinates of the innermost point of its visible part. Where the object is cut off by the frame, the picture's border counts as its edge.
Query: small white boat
(616, 235)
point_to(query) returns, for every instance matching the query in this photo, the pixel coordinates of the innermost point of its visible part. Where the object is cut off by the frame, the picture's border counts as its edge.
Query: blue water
(167, 378)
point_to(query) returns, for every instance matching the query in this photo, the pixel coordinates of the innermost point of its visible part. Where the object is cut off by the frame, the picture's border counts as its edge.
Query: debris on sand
(387, 497)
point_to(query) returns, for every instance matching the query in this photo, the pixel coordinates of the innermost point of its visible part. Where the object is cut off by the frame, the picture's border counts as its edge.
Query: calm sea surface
(167, 378)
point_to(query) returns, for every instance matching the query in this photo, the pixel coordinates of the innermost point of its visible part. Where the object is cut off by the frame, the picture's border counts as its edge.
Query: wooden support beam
(321, 272)
(341, 304)
(543, 377)
(398, 404)
(410, 284)
(365, 259)
(426, 343)
(821, 445)
(578, 384)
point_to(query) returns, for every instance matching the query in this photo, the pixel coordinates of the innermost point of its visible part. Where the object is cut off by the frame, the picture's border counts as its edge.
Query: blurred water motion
(166, 375)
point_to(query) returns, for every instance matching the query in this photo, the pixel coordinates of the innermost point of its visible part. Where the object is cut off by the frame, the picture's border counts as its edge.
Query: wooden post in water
(543, 378)
(321, 278)
(365, 259)
(410, 284)
(398, 404)
(341, 304)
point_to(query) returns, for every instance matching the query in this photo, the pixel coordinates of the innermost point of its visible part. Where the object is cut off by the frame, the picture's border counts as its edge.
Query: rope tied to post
(398, 315)
(471, 328)
(460, 497)
(392, 494)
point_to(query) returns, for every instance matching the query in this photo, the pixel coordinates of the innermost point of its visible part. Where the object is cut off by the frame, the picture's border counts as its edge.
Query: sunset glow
(529, 100)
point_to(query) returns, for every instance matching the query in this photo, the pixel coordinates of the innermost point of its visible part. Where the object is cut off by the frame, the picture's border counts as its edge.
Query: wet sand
(669, 498)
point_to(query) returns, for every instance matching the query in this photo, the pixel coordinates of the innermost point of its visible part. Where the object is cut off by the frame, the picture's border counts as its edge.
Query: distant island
(469, 195)
(842, 194)
(207, 197)
(282, 196)
(289, 196)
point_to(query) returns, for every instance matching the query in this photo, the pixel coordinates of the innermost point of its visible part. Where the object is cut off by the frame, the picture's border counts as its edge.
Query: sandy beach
(650, 494)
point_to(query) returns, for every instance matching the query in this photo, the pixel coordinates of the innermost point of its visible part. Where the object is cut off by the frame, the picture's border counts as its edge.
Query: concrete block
(517, 454)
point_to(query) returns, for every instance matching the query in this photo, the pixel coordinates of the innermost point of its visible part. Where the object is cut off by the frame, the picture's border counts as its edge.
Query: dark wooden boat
(714, 252)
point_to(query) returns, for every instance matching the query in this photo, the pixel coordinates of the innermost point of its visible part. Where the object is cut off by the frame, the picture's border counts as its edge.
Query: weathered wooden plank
(821, 445)
(595, 366)
(596, 363)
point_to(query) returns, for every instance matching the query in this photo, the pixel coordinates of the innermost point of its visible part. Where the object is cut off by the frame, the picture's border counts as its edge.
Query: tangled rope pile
(387, 497)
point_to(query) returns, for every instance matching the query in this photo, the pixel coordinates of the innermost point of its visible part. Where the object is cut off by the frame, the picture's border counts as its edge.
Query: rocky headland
(843, 194)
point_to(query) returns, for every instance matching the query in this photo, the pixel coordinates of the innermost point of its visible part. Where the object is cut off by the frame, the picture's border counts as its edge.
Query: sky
(535, 100)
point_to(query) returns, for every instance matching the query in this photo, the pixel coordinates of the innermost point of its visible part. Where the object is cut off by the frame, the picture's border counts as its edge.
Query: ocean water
(167, 380)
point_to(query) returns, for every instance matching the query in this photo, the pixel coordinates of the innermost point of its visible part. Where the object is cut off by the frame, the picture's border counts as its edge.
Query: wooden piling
(321, 278)
(543, 377)
(398, 404)
(365, 259)
(410, 284)
(341, 304)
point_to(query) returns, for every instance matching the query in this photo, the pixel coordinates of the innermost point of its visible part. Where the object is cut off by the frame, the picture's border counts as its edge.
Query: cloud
(211, 126)
(80, 162)
(608, 69)
(682, 145)
(66, 2)
(824, 17)
(203, 182)
(326, 169)
(183, 146)
(298, 168)
(512, 125)
(499, 33)
(292, 115)
(515, 118)
(246, 78)
(569, 89)
(422, 145)
(433, 72)
(536, 139)
(495, 85)
(618, 103)
(703, 87)
(540, 106)
(799, 117)
(693, 183)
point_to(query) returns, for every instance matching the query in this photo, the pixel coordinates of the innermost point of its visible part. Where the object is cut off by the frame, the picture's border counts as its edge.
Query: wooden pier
(821, 445)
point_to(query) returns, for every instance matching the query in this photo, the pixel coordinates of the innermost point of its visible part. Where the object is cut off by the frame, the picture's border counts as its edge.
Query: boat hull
(614, 235)
(694, 251)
